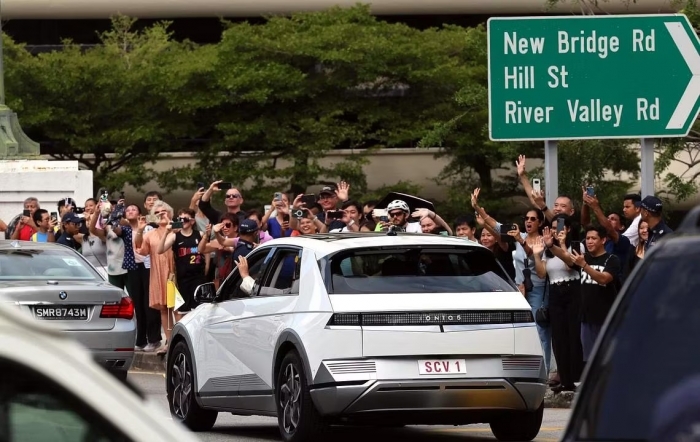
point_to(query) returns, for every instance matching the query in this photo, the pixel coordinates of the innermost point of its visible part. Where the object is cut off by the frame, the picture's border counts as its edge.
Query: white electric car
(362, 328)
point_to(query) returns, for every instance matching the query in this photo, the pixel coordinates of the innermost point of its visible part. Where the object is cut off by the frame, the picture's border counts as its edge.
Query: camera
(78, 210)
(298, 213)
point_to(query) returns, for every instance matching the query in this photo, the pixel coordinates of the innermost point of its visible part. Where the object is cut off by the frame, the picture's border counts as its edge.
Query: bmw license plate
(75, 313)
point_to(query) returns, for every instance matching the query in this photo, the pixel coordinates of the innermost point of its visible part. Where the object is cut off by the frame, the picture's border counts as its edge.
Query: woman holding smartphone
(564, 299)
(278, 226)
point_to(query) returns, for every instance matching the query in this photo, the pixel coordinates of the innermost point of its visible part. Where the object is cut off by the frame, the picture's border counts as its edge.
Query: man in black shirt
(247, 238)
(599, 274)
(71, 227)
(651, 214)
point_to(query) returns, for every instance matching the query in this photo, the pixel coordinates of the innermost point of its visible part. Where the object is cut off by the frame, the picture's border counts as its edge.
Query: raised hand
(538, 246)
(520, 164)
(475, 198)
(343, 191)
(547, 237)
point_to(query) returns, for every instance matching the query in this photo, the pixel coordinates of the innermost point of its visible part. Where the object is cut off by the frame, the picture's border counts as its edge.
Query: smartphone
(286, 217)
(560, 225)
(576, 245)
(176, 224)
(308, 200)
(27, 213)
(536, 185)
(267, 208)
(384, 219)
(200, 185)
(224, 186)
(335, 214)
(54, 215)
(122, 196)
(278, 196)
(380, 213)
(590, 191)
(150, 219)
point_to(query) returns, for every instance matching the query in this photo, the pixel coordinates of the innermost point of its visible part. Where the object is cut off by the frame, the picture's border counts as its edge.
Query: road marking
(484, 430)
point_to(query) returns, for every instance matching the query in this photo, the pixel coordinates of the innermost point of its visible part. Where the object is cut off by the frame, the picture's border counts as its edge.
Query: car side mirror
(205, 293)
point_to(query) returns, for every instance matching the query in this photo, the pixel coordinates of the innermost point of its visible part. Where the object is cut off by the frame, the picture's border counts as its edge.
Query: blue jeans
(536, 298)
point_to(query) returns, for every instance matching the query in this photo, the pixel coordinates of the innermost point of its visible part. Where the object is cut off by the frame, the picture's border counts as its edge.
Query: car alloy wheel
(182, 386)
(290, 399)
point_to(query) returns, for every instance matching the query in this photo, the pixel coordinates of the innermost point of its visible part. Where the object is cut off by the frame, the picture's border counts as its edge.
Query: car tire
(181, 392)
(297, 416)
(120, 375)
(520, 426)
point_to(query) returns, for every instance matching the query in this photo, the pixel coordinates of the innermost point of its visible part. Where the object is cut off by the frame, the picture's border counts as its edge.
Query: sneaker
(138, 348)
(152, 347)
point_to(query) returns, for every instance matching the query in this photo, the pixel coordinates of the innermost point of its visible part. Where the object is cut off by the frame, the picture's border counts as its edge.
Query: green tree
(288, 91)
(110, 107)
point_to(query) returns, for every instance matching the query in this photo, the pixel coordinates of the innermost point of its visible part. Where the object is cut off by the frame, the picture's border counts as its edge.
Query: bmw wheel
(296, 414)
(181, 391)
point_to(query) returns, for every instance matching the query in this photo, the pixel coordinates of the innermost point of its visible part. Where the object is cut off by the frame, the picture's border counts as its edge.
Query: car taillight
(123, 310)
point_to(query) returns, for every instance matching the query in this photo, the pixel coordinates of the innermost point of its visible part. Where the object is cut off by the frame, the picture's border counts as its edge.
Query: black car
(643, 381)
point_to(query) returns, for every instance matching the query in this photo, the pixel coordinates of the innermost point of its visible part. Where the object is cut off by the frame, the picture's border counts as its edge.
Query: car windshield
(418, 270)
(56, 264)
(644, 383)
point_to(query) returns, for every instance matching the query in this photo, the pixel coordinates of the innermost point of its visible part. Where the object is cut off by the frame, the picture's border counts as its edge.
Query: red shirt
(26, 233)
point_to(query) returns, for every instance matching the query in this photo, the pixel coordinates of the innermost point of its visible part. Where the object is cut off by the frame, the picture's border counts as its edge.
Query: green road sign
(557, 78)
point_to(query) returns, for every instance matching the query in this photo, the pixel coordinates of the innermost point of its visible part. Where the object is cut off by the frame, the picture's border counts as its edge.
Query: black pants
(565, 320)
(147, 318)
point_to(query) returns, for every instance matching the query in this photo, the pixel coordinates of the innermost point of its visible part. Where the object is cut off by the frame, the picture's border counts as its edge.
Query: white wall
(48, 181)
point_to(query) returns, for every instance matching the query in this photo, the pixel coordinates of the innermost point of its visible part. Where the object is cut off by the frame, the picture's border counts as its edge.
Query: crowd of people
(568, 270)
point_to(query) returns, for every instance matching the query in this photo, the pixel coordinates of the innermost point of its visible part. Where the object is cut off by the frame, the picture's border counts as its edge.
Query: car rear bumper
(381, 386)
(113, 349)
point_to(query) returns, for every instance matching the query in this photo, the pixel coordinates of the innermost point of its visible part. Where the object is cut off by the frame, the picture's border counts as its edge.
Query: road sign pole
(647, 166)
(551, 172)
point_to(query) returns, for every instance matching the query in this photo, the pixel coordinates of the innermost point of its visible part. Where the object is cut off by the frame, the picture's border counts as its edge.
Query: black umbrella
(413, 202)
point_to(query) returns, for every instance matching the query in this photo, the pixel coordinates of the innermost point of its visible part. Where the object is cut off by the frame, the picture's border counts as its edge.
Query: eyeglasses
(530, 218)
(395, 214)
(228, 225)
(232, 196)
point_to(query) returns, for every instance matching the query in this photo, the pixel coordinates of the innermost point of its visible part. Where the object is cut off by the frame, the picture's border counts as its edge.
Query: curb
(155, 363)
(558, 400)
(151, 362)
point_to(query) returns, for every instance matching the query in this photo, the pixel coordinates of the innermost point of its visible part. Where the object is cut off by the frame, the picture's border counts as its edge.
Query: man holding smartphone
(233, 201)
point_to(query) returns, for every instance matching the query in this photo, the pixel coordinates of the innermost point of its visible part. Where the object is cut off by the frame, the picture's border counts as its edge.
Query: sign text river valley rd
(557, 78)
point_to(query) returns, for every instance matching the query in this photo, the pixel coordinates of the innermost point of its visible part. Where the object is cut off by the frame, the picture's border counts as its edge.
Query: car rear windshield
(417, 270)
(26, 264)
(644, 383)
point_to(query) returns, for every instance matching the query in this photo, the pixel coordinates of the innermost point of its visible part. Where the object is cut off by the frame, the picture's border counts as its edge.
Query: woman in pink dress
(162, 265)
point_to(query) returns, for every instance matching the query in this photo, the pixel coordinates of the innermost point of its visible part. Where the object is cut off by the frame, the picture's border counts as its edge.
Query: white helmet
(398, 204)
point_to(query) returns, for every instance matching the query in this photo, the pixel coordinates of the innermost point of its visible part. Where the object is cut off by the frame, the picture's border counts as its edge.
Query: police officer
(651, 208)
(247, 238)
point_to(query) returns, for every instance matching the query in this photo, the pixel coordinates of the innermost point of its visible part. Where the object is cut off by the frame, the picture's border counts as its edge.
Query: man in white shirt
(631, 210)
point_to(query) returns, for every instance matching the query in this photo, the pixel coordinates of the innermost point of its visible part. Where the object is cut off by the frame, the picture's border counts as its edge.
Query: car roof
(328, 243)
(15, 244)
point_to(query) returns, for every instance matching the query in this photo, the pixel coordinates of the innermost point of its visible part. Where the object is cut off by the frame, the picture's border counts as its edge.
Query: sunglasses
(395, 214)
(228, 225)
(530, 218)
(232, 196)
(185, 220)
(159, 213)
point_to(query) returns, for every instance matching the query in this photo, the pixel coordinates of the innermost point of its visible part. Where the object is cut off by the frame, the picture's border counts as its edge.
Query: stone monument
(24, 174)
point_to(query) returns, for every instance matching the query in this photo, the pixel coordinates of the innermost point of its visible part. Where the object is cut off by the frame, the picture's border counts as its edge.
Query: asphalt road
(263, 429)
